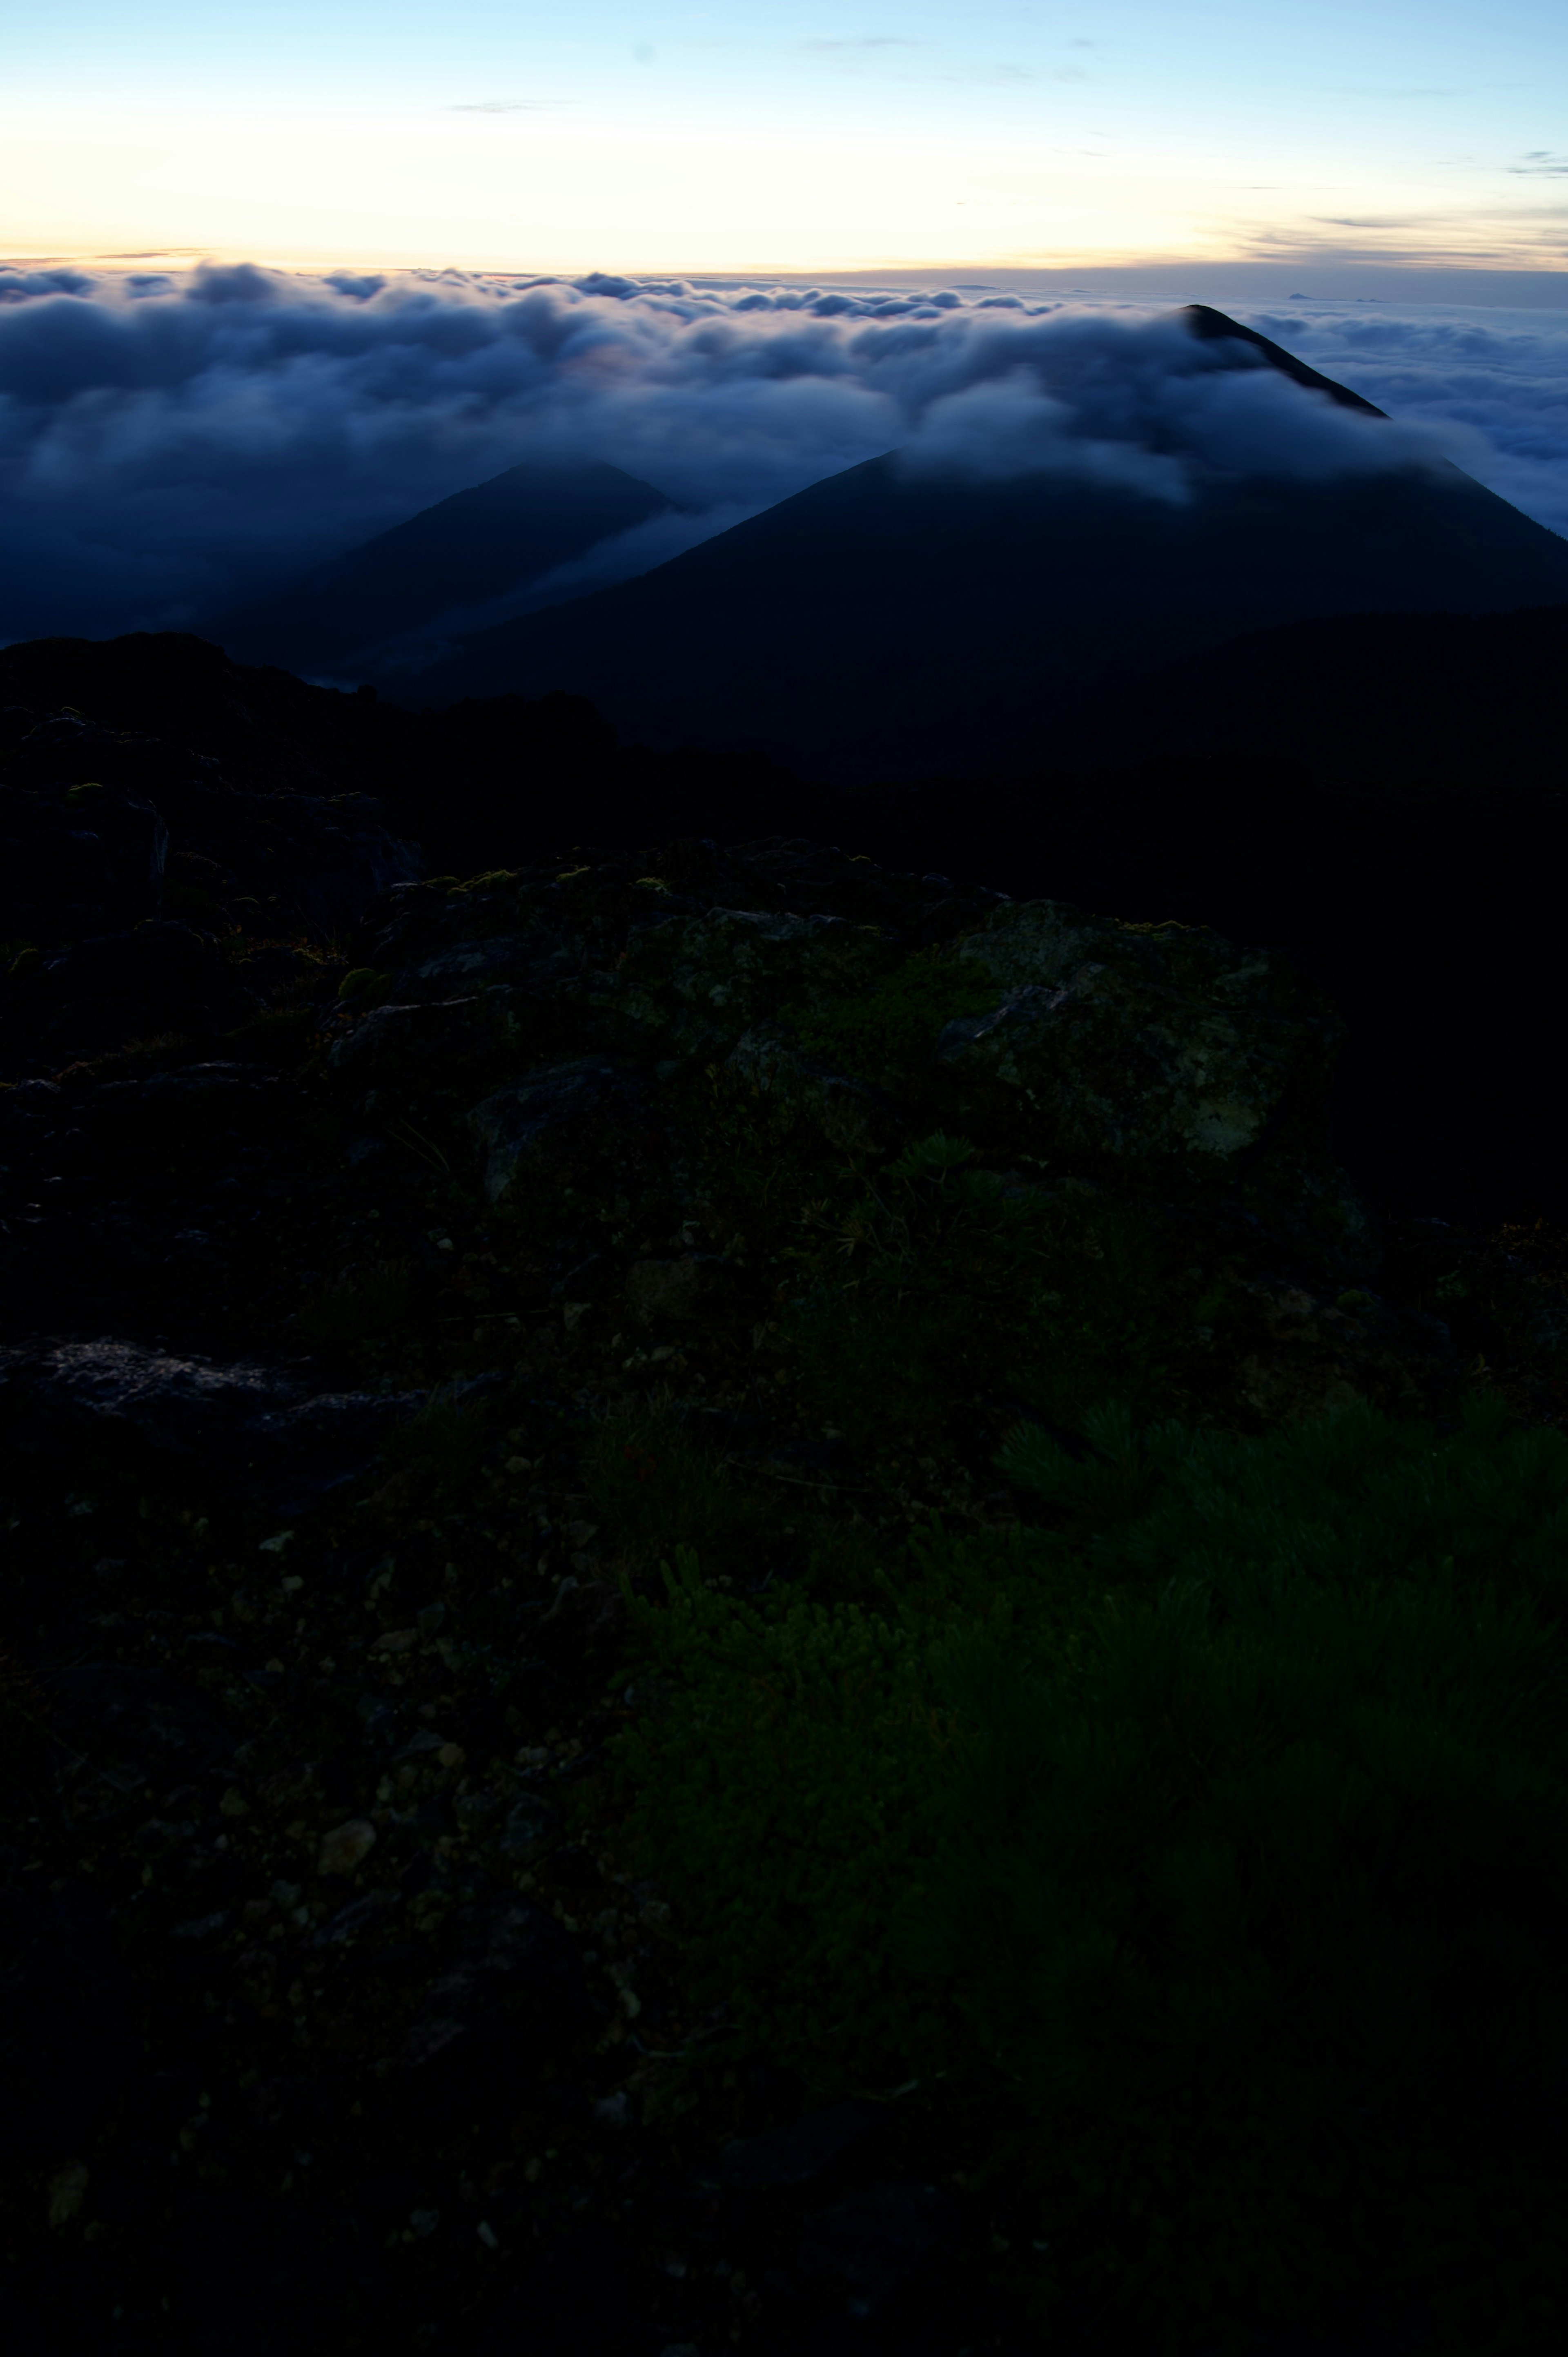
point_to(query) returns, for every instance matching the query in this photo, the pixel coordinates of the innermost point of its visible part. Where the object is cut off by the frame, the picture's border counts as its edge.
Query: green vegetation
(1223, 1825)
(360, 982)
(934, 1279)
(731, 1569)
(440, 1451)
(366, 1305)
(657, 1487)
(888, 1032)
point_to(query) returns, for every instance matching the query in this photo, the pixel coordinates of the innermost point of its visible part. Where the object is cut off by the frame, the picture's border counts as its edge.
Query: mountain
(454, 557)
(1414, 699)
(891, 624)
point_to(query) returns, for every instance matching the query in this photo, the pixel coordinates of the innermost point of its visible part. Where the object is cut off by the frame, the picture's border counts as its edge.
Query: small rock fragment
(342, 1848)
(68, 2191)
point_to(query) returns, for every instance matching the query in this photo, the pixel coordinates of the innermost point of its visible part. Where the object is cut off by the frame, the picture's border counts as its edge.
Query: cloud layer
(1500, 377)
(171, 444)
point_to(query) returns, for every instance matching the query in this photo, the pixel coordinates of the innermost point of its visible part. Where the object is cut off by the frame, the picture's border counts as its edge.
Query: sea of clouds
(170, 445)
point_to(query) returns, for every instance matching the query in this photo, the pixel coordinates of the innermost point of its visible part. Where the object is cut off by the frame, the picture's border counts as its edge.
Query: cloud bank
(170, 445)
(1500, 377)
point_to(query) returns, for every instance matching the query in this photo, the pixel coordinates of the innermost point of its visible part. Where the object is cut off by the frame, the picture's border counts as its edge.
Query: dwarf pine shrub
(1260, 1903)
(788, 1791)
(1222, 1825)
(921, 1287)
(937, 1278)
(657, 1487)
(888, 1033)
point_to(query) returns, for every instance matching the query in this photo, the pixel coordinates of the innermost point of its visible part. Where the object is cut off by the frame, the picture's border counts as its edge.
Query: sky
(791, 135)
(275, 276)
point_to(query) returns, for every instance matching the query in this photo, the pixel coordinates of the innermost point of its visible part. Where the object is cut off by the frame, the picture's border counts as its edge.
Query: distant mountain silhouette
(887, 624)
(478, 546)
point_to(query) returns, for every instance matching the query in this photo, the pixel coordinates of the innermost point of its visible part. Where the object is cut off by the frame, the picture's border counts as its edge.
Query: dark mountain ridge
(458, 555)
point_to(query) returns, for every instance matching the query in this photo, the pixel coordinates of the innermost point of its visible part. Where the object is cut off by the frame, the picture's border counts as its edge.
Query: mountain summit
(907, 618)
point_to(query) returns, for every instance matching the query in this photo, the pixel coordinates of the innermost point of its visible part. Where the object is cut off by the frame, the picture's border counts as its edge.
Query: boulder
(703, 981)
(78, 860)
(238, 1424)
(684, 1288)
(415, 1044)
(559, 1115)
(1118, 1046)
(494, 2014)
(160, 977)
(850, 1113)
(468, 965)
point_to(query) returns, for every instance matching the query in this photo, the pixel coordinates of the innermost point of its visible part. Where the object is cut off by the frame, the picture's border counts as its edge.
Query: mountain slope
(1374, 700)
(891, 623)
(478, 546)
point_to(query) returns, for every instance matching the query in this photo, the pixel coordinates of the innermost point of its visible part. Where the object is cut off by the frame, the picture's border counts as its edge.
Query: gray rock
(789, 2155)
(1130, 1044)
(473, 962)
(255, 1427)
(704, 980)
(878, 2240)
(540, 960)
(411, 1043)
(553, 1116)
(684, 1288)
(531, 1823)
(850, 1113)
(517, 1991)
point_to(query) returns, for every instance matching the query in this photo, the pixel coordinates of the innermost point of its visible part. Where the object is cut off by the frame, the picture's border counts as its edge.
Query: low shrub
(658, 1486)
(788, 1789)
(887, 1033)
(935, 1279)
(440, 1451)
(363, 1307)
(1223, 1825)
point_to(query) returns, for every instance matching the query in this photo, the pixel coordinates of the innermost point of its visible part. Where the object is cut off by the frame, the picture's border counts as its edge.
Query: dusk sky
(789, 135)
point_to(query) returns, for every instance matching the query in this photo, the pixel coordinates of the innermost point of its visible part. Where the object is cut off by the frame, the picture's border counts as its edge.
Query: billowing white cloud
(1497, 376)
(169, 444)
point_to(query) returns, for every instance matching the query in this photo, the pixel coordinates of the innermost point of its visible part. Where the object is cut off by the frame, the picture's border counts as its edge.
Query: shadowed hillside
(1422, 897)
(747, 1605)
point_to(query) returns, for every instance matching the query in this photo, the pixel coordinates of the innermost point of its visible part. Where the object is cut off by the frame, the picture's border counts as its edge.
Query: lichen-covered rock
(1310, 1355)
(850, 1112)
(561, 1114)
(411, 1043)
(1131, 1045)
(78, 860)
(681, 1289)
(238, 1423)
(702, 981)
(505, 957)
(159, 977)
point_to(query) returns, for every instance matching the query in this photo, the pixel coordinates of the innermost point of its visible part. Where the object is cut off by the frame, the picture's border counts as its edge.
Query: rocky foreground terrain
(409, 1283)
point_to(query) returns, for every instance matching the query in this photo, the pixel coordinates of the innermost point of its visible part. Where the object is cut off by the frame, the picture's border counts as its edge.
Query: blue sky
(783, 137)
